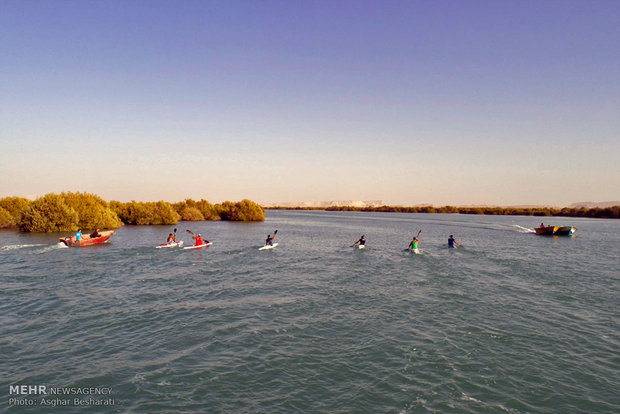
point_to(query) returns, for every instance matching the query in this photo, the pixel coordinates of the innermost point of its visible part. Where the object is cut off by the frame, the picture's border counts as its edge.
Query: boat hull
(87, 240)
(565, 230)
(546, 231)
(555, 230)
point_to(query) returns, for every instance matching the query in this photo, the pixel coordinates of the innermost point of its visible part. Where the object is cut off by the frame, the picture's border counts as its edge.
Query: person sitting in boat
(198, 239)
(414, 243)
(78, 234)
(452, 242)
(269, 240)
(171, 238)
(95, 234)
(361, 241)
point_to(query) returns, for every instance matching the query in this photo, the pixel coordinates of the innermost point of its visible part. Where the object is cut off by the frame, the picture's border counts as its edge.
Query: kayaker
(452, 242)
(361, 241)
(95, 234)
(171, 238)
(414, 242)
(269, 240)
(198, 239)
(78, 235)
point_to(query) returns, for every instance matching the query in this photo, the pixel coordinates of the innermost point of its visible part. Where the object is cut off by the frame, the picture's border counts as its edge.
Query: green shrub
(208, 210)
(15, 206)
(6, 219)
(49, 213)
(93, 211)
(191, 214)
(145, 213)
(244, 210)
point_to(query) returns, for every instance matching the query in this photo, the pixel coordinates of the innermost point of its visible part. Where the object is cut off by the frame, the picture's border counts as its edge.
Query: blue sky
(443, 102)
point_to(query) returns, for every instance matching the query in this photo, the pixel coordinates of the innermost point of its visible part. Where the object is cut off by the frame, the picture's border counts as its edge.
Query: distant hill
(595, 204)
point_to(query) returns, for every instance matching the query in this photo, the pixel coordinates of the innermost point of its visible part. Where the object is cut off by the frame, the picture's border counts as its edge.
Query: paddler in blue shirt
(269, 240)
(172, 238)
(452, 242)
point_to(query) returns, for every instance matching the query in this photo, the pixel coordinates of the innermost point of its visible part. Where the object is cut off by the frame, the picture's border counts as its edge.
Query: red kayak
(87, 240)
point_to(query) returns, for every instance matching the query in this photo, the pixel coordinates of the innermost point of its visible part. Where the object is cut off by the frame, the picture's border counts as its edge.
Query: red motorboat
(87, 240)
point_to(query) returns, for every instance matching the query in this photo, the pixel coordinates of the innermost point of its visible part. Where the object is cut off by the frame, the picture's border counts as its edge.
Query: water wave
(19, 246)
(522, 229)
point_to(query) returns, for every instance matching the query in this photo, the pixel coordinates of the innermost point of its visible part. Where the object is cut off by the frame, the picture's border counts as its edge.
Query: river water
(512, 322)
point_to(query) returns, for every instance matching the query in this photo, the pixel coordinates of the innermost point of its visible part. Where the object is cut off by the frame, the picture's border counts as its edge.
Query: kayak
(266, 247)
(361, 246)
(173, 244)
(198, 246)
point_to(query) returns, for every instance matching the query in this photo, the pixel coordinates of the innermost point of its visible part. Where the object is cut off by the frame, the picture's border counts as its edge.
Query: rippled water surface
(513, 322)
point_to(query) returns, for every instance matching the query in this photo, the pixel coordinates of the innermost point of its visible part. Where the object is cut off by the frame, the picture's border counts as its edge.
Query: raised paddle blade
(274, 233)
(189, 231)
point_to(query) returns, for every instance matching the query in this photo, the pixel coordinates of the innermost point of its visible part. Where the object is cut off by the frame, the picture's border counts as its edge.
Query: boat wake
(19, 246)
(522, 229)
(51, 247)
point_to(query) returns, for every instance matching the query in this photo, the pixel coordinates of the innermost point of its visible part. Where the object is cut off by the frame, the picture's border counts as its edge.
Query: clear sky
(442, 102)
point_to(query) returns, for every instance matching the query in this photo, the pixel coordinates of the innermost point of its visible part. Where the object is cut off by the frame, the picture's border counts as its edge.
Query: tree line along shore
(70, 211)
(607, 212)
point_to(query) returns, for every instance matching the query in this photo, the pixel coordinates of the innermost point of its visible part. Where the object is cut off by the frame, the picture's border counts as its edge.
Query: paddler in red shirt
(198, 240)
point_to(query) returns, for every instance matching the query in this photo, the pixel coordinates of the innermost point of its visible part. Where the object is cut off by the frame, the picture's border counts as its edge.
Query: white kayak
(361, 246)
(198, 246)
(415, 251)
(173, 244)
(268, 246)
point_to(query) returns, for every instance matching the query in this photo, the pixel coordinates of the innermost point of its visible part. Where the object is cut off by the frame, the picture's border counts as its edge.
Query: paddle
(455, 243)
(354, 244)
(194, 234)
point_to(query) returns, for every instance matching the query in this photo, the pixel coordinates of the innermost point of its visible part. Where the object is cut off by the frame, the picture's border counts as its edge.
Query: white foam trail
(19, 246)
(522, 229)
(51, 247)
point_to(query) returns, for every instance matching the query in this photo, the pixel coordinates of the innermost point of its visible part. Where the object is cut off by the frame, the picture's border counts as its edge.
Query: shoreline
(596, 212)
